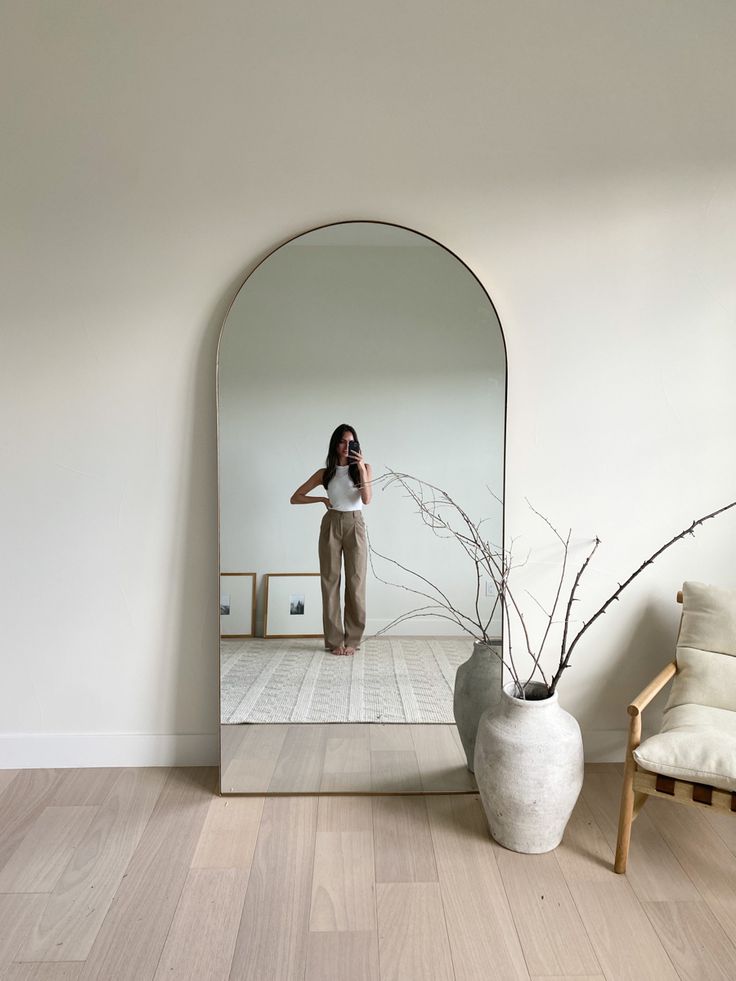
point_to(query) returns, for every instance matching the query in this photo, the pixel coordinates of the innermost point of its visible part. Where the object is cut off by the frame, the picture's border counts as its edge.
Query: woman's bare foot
(338, 650)
(348, 650)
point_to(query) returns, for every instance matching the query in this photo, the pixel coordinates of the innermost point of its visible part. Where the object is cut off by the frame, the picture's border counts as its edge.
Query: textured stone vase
(477, 688)
(529, 769)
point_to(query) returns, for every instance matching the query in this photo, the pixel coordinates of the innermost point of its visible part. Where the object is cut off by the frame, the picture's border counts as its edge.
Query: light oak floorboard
(229, 835)
(480, 926)
(6, 778)
(20, 804)
(584, 853)
(83, 894)
(696, 944)
(201, 940)
(86, 787)
(346, 783)
(395, 771)
(653, 870)
(300, 758)
(552, 934)
(703, 854)
(347, 762)
(625, 943)
(442, 765)
(459, 743)
(231, 737)
(17, 917)
(129, 943)
(345, 814)
(402, 840)
(274, 928)
(61, 971)
(390, 736)
(249, 755)
(412, 938)
(300, 763)
(343, 883)
(349, 730)
(347, 754)
(42, 856)
(189, 912)
(342, 957)
(724, 825)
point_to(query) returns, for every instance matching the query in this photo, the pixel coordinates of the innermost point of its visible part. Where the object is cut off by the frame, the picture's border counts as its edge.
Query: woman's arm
(366, 487)
(300, 494)
(366, 476)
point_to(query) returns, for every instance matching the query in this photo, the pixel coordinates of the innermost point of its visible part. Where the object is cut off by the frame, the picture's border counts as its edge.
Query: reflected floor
(343, 758)
(294, 680)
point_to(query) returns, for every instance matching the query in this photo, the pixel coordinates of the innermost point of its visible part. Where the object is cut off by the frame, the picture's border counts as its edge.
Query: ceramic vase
(529, 769)
(477, 688)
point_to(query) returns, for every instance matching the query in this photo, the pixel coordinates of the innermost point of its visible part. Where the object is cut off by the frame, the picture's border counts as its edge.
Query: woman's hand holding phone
(355, 455)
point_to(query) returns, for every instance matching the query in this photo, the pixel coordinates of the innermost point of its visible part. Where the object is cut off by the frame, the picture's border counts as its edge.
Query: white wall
(399, 341)
(580, 157)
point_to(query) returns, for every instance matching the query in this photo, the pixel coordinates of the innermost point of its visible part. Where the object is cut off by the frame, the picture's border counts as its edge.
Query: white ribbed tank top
(343, 495)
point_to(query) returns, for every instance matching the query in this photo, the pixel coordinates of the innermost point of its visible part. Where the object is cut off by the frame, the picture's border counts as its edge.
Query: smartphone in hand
(353, 447)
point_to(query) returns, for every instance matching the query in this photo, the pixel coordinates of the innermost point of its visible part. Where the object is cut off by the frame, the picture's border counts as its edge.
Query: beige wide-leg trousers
(342, 538)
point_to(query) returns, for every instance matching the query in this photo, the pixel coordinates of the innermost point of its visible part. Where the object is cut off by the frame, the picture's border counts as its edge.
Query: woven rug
(397, 679)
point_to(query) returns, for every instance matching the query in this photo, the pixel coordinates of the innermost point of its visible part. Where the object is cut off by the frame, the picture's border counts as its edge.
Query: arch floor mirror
(373, 326)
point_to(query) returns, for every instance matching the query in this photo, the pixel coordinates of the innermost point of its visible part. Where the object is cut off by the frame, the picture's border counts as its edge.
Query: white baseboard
(24, 750)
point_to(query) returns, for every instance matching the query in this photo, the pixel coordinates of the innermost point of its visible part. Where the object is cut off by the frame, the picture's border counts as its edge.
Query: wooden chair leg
(626, 811)
(625, 820)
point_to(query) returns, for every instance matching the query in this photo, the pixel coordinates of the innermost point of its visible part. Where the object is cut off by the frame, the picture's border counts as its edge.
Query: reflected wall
(383, 329)
(379, 327)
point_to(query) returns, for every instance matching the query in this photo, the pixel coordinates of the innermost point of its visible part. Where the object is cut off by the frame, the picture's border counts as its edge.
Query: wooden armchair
(697, 742)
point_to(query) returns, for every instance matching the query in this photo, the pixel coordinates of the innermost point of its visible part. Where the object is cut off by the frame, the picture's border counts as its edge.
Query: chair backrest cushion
(706, 648)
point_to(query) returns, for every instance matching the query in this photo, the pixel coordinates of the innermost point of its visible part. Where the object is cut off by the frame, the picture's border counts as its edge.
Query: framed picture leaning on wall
(293, 605)
(237, 604)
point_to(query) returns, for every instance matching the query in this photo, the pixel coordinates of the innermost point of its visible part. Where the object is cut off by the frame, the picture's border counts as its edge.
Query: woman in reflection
(347, 479)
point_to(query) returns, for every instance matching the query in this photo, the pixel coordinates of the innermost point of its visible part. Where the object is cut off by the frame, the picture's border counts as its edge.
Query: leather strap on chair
(702, 793)
(665, 785)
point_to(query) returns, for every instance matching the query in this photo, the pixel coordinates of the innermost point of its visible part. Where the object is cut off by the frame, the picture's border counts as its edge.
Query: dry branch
(498, 565)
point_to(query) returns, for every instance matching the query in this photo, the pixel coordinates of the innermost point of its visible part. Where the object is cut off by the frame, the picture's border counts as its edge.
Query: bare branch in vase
(498, 565)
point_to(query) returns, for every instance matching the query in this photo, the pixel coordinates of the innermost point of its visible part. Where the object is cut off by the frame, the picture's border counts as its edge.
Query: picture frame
(237, 604)
(293, 605)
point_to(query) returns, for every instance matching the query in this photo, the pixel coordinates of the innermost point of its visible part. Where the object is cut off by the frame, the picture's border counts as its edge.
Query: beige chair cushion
(706, 649)
(696, 743)
(708, 618)
(698, 737)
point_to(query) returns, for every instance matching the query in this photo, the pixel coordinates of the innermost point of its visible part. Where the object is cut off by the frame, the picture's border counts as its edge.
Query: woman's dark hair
(333, 457)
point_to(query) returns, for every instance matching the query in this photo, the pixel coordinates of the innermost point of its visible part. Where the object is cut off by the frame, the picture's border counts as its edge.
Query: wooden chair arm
(653, 688)
(633, 800)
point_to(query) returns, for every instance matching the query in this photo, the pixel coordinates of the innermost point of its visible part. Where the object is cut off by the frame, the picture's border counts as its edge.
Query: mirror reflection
(353, 350)
(346, 485)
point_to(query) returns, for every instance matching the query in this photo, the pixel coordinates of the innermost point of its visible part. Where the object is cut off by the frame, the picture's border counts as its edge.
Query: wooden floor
(343, 758)
(147, 874)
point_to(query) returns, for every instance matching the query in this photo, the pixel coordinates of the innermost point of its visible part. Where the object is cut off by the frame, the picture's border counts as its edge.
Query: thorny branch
(690, 530)
(497, 564)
